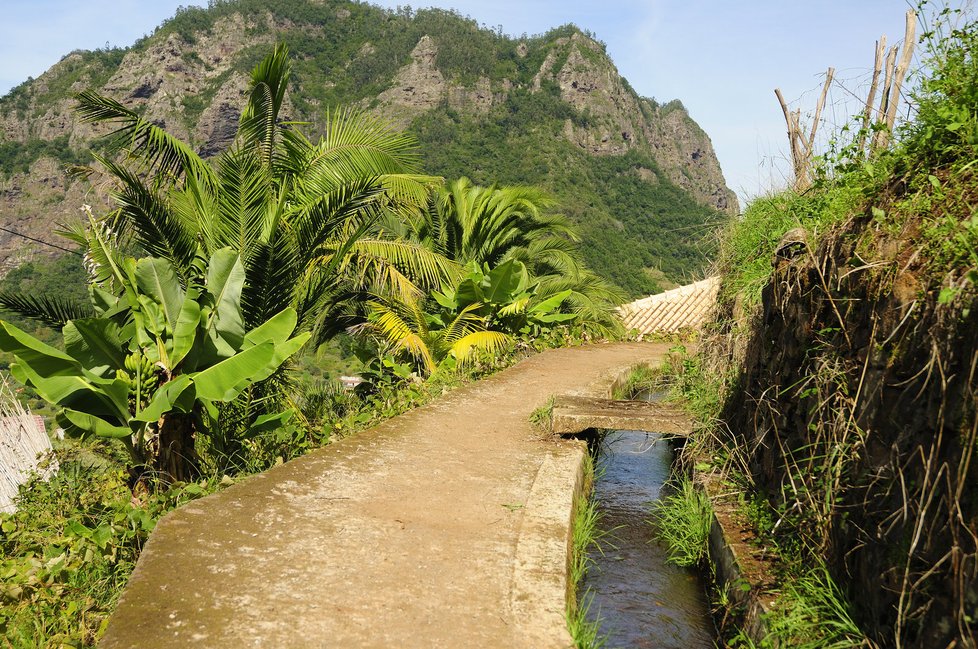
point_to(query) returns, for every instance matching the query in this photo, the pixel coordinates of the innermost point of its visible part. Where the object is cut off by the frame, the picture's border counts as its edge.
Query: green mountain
(641, 179)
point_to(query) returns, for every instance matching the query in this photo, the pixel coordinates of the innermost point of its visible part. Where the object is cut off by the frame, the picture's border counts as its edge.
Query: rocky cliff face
(193, 80)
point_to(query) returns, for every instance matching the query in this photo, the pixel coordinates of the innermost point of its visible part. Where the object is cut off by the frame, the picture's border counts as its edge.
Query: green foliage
(626, 224)
(811, 613)
(748, 245)
(945, 127)
(699, 389)
(543, 416)
(586, 536)
(68, 550)
(300, 214)
(682, 520)
(17, 157)
(522, 277)
(489, 226)
(154, 350)
(60, 279)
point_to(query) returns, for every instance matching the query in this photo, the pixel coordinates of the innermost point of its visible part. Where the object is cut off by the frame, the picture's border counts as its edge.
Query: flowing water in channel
(639, 598)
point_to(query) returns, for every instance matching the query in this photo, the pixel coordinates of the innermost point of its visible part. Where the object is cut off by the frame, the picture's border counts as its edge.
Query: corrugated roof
(683, 308)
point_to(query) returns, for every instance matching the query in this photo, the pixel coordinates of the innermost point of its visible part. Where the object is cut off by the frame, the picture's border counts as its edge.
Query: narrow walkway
(444, 527)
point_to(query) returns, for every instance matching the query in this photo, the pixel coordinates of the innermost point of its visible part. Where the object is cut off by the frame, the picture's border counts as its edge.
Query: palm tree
(301, 214)
(431, 337)
(490, 225)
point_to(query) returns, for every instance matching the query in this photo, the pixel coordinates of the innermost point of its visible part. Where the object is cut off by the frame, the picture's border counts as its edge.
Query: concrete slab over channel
(574, 414)
(445, 527)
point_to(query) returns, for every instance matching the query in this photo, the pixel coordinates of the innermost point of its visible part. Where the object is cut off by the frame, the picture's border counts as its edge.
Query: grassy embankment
(835, 394)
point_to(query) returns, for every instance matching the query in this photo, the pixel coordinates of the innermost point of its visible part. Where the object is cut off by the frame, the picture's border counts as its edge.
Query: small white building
(350, 382)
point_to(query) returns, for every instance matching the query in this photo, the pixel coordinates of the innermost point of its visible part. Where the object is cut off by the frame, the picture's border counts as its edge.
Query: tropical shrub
(300, 214)
(153, 359)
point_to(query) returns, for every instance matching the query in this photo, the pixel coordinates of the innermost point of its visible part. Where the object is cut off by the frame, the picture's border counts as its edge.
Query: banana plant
(506, 297)
(156, 357)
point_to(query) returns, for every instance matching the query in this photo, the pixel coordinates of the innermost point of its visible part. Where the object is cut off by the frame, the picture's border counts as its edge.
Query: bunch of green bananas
(142, 377)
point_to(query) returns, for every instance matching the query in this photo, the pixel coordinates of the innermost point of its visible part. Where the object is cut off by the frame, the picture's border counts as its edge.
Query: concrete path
(445, 527)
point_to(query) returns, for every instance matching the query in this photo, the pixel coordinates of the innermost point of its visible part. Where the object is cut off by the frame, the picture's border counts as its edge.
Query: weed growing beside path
(584, 628)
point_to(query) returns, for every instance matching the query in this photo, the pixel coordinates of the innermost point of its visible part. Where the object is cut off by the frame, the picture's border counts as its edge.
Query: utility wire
(43, 243)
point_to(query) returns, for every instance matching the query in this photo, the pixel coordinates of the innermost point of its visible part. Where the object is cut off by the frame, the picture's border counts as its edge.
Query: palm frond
(243, 201)
(51, 311)
(403, 325)
(146, 214)
(344, 212)
(467, 321)
(409, 191)
(157, 148)
(423, 266)
(271, 279)
(259, 120)
(196, 212)
(491, 342)
(358, 144)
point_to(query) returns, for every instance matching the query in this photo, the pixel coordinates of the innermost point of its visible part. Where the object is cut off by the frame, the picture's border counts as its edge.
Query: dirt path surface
(444, 527)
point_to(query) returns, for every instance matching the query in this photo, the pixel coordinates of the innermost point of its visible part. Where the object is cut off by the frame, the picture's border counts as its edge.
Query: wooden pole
(902, 67)
(818, 109)
(868, 112)
(879, 140)
(789, 119)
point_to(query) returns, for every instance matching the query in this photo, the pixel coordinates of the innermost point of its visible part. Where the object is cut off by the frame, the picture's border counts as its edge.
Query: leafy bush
(17, 157)
(68, 550)
(945, 127)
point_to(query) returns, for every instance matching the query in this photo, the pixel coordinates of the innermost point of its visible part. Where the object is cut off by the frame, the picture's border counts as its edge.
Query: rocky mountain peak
(424, 71)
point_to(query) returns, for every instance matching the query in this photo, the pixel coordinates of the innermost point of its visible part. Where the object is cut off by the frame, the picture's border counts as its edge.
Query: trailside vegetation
(175, 370)
(836, 392)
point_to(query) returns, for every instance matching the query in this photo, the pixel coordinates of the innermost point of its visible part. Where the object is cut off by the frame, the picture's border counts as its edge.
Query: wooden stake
(868, 112)
(902, 67)
(802, 147)
(818, 109)
(789, 119)
(879, 140)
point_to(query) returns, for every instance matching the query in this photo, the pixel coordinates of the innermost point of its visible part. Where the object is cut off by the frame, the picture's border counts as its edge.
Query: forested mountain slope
(641, 179)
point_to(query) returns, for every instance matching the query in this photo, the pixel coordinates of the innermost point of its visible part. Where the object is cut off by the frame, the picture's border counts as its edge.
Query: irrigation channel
(637, 597)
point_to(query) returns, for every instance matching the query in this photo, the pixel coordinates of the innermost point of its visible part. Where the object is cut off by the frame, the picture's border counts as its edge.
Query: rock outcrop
(619, 120)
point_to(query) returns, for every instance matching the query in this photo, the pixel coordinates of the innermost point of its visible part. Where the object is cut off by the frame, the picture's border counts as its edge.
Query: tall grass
(748, 244)
(811, 613)
(682, 520)
(587, 533)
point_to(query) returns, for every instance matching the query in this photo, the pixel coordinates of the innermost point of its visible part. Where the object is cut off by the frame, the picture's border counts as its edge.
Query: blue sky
(721, 58)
